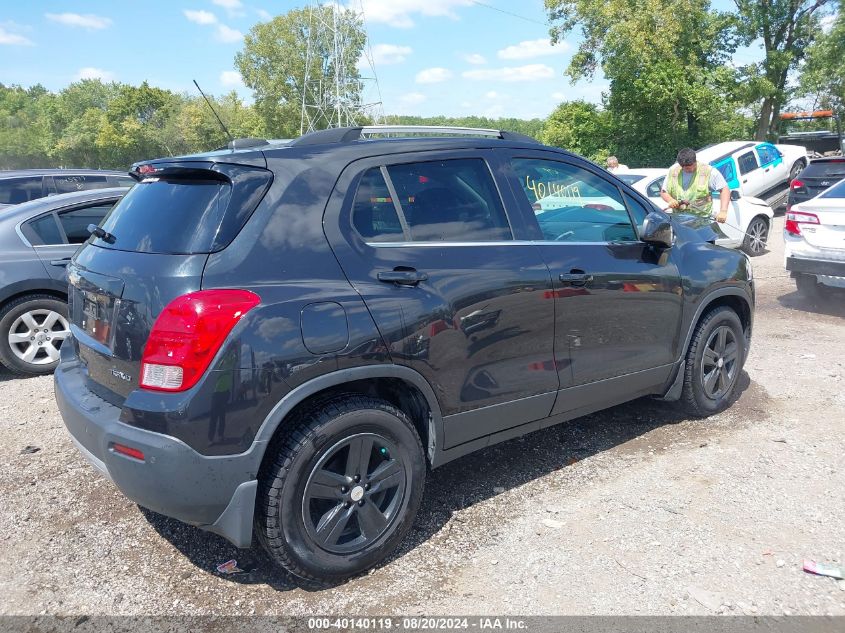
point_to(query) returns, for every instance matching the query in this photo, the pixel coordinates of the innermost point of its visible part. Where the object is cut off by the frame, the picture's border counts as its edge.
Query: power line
(515, 15)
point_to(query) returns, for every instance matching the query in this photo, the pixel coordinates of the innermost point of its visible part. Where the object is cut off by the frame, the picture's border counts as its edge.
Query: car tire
(32, 329)
(797, 168)
(341, 490)
(756, 237)
(713, 363)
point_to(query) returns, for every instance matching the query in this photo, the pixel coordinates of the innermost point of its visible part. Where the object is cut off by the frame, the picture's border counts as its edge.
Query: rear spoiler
(192, 171)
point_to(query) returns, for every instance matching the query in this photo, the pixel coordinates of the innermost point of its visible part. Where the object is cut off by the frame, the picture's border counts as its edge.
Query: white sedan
(749, 219)
(814, 240)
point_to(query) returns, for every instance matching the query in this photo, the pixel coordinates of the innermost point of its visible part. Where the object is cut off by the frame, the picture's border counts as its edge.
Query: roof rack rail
(350, 134)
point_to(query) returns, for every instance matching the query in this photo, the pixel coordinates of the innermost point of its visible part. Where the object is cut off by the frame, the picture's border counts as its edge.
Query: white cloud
(200, 17)
(231, 5)
(492, 95)
(531, 72)
(90, 72)
(13, 39)
(386, 54)
(433, 75)
(412, 98)
(532, 48)
(234, 8)
(475, 59)
(399, 13)
(228, 35)
(264, 15)
(558, 96)
(231, 79)
(86, 21)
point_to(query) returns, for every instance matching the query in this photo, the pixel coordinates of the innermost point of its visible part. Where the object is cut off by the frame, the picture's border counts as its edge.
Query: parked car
(814, 237)
(749, 219)
(23, 185)
(819, 175)
(37, 240)
(402, 302)
(760, 170)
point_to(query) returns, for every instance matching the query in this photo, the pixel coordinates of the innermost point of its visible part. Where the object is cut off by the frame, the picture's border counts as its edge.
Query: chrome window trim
(498, 243)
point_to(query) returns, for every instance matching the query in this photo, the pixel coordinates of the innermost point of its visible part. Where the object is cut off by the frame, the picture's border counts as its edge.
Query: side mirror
(734, 195)
(657, 231)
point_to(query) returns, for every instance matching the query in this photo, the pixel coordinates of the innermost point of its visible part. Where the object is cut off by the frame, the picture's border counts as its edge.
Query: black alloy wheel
(714, 362)
(354, 492)
(719, 362)
(341, 487)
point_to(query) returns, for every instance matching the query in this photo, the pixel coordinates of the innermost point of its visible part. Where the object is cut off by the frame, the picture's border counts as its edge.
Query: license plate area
(93, 313)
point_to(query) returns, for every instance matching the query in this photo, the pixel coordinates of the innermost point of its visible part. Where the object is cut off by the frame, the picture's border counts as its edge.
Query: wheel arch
(401, 386)
(22, 289)
(733, 298)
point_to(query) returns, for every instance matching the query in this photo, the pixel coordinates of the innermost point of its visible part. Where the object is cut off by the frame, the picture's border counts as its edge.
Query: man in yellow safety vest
(688, 185)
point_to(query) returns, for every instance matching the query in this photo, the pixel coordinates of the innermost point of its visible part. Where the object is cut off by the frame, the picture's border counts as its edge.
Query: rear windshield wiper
(97, 231)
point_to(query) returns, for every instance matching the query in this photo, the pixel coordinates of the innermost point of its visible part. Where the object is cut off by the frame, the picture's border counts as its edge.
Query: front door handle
(403, 277)
(576, 278)
(60, 262)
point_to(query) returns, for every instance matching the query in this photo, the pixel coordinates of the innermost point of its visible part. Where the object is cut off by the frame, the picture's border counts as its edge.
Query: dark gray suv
(276, 340)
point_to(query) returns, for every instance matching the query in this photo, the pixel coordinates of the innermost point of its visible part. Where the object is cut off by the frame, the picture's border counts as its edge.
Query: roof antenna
(225, 129)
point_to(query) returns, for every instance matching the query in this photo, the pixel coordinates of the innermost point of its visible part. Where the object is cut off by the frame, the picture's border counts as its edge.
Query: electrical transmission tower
(340, 89)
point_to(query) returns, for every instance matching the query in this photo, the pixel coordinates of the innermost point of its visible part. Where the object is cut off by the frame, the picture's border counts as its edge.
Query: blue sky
(453, 57)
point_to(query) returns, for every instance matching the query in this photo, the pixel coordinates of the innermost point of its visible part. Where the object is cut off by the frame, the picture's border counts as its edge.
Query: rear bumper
(215, 493)
(827, 268)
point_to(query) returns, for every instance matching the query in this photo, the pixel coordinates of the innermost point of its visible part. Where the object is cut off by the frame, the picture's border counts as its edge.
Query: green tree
(667, 67)
(278, 56)
(786, 28)
(582, 128)
(823, 75)
(529, 127)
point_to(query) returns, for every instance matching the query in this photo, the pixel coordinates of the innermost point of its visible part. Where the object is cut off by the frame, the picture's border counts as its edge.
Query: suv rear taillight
(796, 184)
(794, 220)
(188, 333)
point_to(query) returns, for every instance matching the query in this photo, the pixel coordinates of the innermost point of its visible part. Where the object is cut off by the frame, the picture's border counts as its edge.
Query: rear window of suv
(825, 169)
(185, 212)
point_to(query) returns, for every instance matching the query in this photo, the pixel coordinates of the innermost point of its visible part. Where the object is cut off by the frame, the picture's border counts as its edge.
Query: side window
(125, 181)
(67, 184)
(18, 190)
(726, 168)
(572, 204)
(766, 153)
(450, 200)
(653, 190)
(43, 231)
(638, 211)
(747, 163)
(373, 213)
(75, 222)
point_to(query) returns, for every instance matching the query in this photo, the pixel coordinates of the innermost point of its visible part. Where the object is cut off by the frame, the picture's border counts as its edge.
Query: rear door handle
(576, 278)
(60, 262)
(402, 277)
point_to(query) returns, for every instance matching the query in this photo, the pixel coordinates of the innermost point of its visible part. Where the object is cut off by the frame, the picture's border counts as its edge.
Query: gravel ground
(635, 510)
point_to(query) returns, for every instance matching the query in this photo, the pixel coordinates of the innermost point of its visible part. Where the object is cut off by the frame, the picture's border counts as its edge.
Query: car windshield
(836, 191)
(629, 179)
